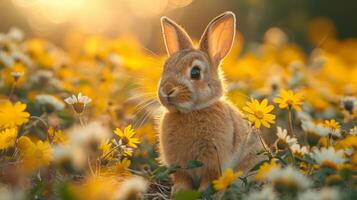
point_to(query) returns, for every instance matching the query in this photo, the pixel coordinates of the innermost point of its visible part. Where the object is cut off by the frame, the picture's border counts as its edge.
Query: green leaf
(187, 195)
(65, 192)
(173, 168)
(193, 164)
(160, 169)
(208, 192)
(309, 159)
(162, 173)
(38, 189)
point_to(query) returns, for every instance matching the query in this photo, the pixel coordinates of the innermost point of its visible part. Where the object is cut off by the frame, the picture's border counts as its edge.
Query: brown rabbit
(199, 123)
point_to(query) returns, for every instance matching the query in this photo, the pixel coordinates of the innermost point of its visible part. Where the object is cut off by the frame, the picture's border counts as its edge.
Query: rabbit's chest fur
(206, 135)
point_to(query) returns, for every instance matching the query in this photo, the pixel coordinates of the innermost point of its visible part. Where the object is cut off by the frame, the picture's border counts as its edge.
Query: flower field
(79, 121)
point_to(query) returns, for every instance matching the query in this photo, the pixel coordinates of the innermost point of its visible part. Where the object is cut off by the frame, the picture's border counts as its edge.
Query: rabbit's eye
(195, 73)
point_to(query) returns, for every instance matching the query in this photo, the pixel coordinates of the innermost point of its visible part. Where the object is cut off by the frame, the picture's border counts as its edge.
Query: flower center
(78, 107)
(125, 140)
(290, 102)
(259, 114)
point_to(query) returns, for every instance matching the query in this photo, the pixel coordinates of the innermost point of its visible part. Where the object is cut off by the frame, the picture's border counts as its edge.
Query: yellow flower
(34, 155)
(127, 136)
(107, 151)
(97, 187)
(57, 136)
(332, 124)
(12, 115)
(265, 168)
(121, 168)
(8, 138)
(227, 179)
(289, 99)
(9, 74)
(258, 113)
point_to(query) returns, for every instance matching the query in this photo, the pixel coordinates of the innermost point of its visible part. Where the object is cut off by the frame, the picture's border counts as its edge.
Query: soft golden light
(93, 16)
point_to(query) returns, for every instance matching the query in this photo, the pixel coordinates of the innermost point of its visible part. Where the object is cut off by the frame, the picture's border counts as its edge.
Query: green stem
(12, 91)
(292, 156)
(81, 120)
(111, 151)
(264, 145)
(290, 123)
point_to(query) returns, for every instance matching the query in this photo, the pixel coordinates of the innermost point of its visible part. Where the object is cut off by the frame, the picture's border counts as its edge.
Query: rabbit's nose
(169, 90)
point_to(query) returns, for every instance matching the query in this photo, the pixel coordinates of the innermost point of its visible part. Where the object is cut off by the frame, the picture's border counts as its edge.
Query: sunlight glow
(91, 15)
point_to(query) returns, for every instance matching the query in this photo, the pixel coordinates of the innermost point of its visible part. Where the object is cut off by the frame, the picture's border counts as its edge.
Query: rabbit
(199, 123)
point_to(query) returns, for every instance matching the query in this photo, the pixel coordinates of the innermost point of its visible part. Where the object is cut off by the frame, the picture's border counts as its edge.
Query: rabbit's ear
(218, 37)
(175, 36)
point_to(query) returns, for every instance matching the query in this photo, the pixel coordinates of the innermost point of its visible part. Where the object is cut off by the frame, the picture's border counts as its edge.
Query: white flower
(353, 131)
(16, 34)
(288, 177)
(119, 143)
(43, 77)
(304, 116)
(301, 151)
(349, 104)
(329, 157)
(89, 137)
(6, 59)
(132, 188)
(349, 151)
(284, 139)
(318, 129)
(16, 75)
(267, 193)
(79, 99)
(78, 102)
(322, 194)
(50, 100)
(71, 154)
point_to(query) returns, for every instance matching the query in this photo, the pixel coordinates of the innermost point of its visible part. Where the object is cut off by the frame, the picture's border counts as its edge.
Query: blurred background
(58, 20)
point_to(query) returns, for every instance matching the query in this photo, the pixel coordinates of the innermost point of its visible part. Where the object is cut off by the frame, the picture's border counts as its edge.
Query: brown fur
(199, 124)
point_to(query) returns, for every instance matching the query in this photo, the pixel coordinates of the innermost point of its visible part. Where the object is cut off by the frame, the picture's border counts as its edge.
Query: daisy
(34, 154)
(267, 193)
(299, 151)
(12, 115)
(349, 107)
(122, 148)
(132, 188)
(334, 126)
(227, 179)
(349, 104)
(70, 157)
(284, 140)
(288, 179)
(314, 131)
(121, 168)
(8, 138)
(78, 102)
(266, 168)
(126, 137)
(259, 113)
(16, 75)
(89, 137)
(329, 158)
(322, 194)
(288, 99)
(50, 101)
(353, 131)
